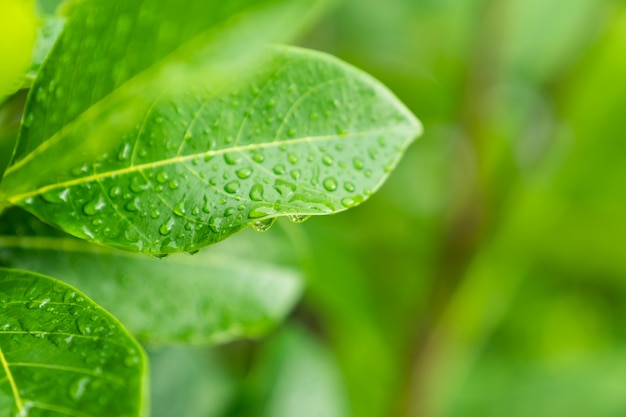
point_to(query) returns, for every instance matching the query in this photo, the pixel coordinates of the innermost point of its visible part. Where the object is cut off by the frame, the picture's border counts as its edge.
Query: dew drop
(327, 160)
(256, 192)
(330, 184)
(124, 152)
(295, 174)
(77, 388)
(132, 205)
(358, 163)
(291, 133)
(173, 184)
(166, 228)
(162, 177)
(244, 173)
(350, 202)
(232, 187)
(93, 207)
(179, 209)
(258, 157)
(232, 158)
(293, 159)
(348, 186)
(279, 169)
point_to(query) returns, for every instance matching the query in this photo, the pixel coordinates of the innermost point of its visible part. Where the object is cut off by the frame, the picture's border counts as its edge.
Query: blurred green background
(488, 276)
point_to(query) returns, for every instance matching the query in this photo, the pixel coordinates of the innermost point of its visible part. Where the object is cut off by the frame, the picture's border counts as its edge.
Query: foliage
(151, 129)
(486, 278)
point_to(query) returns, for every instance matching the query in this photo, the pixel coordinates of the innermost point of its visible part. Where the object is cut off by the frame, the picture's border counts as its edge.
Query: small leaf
(240, 289)
(309, 135)
(61, 354)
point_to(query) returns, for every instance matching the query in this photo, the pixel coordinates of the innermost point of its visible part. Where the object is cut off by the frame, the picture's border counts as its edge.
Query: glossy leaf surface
(61, 354)
(309, 135)
(239, 289)
(111, 52)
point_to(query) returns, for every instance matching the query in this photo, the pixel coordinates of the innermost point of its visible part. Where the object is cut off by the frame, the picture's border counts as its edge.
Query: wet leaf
(240, 289)
(62, 354)
(308, 135)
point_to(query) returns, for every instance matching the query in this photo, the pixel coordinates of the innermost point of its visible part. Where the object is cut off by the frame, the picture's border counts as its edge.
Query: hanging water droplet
(159, 255)
(299, 218)
(330, 184)
(263, 225)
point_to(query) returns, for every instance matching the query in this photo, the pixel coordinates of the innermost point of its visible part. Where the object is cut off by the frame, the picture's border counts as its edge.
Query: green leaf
(240, 289)
(114, 56)
(309, 135)
(62, 354)
(191, 382)
(294, 376)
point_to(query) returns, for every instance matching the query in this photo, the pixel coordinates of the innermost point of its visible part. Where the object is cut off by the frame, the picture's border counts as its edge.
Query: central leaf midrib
(16, 394)
(180, 159)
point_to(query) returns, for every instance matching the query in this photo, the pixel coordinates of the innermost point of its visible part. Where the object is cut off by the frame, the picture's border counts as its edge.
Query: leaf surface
(308, 135)
(239, 289)
(113, 56)
(62, 354)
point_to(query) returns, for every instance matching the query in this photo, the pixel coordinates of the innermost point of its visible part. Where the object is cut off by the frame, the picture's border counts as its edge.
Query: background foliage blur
(488, 276)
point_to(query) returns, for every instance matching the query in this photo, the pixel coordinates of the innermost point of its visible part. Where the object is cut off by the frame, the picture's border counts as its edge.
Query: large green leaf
(61, 354)
(308, 135)
(239, 289)
(113, 56)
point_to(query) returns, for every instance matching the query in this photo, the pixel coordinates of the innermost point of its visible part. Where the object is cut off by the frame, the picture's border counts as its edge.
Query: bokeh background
(488, 276)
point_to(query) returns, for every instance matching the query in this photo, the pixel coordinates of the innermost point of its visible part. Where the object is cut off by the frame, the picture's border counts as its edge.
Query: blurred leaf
(17, 36)
(239, 289)
(189, 382)
(310, 135)
(63, 354)
(295, 376)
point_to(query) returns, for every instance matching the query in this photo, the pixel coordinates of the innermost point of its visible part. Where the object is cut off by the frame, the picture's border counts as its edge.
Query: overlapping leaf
(308, 135)
(61, 354)
(240, 289)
